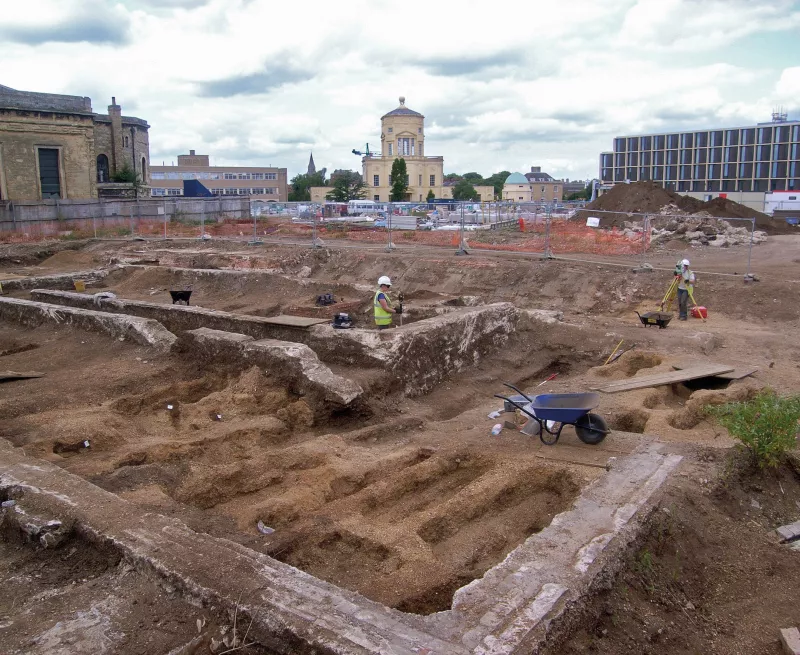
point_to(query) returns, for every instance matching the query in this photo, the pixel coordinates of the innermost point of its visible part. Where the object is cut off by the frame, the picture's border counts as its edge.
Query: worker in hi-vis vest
(383, 304)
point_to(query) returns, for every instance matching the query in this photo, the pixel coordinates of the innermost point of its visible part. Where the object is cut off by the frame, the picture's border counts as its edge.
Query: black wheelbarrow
(661, 319)
(181, 296)
(552, 411)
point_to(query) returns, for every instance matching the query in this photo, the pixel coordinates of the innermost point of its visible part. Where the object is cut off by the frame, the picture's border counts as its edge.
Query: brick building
(261, 182)
(55, 146)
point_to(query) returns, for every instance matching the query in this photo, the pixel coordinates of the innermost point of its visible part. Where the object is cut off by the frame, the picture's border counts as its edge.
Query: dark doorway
(144, 170)
(48, 173)
(102, 168)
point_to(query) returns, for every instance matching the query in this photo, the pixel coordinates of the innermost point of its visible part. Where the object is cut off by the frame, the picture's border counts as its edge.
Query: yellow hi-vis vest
(382, 317)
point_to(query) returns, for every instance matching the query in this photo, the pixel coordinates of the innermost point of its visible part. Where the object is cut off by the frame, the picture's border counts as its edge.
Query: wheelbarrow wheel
(591, 428)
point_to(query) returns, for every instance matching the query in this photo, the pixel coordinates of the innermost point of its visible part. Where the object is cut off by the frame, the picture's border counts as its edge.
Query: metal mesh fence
(555, 229)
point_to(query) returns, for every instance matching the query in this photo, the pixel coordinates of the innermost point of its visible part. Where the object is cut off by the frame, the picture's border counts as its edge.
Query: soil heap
(651, 198)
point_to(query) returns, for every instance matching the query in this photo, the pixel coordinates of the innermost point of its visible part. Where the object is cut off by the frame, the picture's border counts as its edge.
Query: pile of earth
(651, 198)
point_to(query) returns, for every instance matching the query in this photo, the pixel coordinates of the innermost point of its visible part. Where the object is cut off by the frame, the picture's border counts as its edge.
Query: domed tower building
(403, 135)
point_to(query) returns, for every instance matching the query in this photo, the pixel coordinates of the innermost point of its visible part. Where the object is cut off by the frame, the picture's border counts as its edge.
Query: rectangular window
(271, 191)
(258, 176)
(157, 192)
(174, 192)
(376, 198)
(390, 180)
(419, 130)
(49, 176)
(390, 150)
(258, 191)
(270, 176)
(244, 176)
(376, 180)
(157, 176)
(231, 176)
(433, 180)
(420, 180)
(244, 191)
(230, 192)
(390, 130)
(405, 147)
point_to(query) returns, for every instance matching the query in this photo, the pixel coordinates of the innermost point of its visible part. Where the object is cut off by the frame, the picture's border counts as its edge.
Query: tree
(347, 186)
(451, 177)
(399, 180)
(463, 190)
(302, 183)
(473, 178)
(431, 196)
(497, 181)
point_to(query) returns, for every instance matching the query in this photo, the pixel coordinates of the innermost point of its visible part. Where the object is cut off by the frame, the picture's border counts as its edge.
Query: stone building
(535, 186)
(403, 135)
(55, 146)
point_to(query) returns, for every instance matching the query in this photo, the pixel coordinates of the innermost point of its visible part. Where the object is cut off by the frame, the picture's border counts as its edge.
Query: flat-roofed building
(260, 182)
(741, 163)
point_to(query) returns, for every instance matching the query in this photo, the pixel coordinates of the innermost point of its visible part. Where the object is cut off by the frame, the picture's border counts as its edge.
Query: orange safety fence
(531, 234)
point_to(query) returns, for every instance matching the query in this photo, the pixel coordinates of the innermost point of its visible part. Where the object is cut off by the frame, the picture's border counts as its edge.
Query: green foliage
(766, 425)
(451, 177)
(301, 184)
(473, 178)
(431, 196)
(399, 180)
(497, 180)
(125, 174)
(586, 194)
(463, 190)
(347, 186)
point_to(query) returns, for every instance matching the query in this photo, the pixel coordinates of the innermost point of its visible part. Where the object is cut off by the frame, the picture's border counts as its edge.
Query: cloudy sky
(502, 87)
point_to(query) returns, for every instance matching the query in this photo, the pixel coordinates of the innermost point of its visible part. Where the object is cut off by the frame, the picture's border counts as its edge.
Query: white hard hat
(384, 280)
(685, 262)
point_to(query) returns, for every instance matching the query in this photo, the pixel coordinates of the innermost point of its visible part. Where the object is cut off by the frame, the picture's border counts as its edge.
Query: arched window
(144, 169)
(102, 168)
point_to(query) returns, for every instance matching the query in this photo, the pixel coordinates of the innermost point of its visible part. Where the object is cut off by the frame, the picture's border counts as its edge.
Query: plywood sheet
(660, 379)
(295, 321)
(740, 370)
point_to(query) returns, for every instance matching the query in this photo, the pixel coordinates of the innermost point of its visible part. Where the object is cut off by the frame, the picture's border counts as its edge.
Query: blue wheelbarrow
(552, 411)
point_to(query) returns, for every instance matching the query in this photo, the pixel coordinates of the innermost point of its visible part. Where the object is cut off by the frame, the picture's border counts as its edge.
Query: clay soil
(410, 498)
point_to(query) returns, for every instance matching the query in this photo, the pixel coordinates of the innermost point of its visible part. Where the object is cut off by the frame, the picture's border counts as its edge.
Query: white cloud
(546, 83)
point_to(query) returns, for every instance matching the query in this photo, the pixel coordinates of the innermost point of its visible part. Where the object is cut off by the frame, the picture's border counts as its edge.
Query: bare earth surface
(411, 498)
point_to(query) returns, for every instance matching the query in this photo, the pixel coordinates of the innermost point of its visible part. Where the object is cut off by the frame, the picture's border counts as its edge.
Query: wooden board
(740, 371)
(660, 379)
(295, 321)
(8, 376)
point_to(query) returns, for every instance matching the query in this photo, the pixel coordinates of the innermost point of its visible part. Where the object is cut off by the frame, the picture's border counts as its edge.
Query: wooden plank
(660, 379)
(740, 371)
(295, 321)
(8, 376)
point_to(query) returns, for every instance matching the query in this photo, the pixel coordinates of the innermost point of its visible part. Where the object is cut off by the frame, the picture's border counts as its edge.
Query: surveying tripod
(672, 294)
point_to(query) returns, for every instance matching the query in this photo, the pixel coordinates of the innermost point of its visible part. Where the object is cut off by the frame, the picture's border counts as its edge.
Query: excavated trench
(401, 509)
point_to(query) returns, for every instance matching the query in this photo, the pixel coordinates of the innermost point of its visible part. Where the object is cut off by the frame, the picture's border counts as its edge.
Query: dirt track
(410, 499)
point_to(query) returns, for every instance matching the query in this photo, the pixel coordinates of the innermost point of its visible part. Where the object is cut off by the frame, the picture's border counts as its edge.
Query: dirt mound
(69, 259)
(651, 198)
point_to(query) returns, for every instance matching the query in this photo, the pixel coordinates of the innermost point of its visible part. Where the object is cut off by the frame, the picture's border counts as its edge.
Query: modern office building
(260, 182)
(744, 161)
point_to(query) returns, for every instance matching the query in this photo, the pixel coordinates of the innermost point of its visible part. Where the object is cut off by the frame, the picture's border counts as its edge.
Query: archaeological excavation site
(198, 456)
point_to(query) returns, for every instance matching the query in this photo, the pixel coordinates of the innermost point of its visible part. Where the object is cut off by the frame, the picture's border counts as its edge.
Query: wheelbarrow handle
(519, 391)
(517, 405)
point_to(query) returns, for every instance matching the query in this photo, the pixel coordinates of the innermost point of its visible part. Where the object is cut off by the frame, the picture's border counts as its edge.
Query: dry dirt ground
(411, 498)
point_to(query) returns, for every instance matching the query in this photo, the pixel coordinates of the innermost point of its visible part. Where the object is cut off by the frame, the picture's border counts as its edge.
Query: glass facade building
(761, 158)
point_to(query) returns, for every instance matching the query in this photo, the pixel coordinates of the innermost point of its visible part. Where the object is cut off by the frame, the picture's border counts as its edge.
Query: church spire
(311, 168)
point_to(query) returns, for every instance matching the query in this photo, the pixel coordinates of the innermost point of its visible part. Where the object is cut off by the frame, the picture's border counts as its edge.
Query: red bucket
(699, 312)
